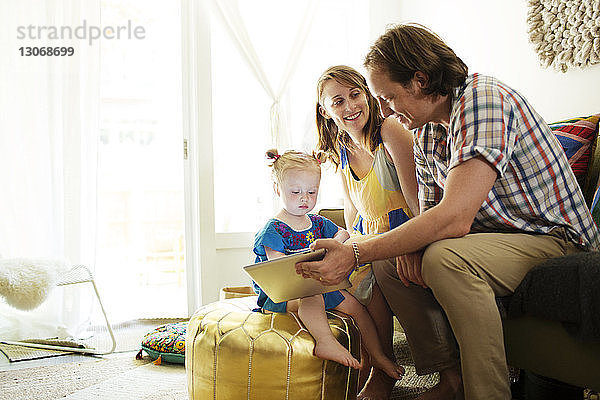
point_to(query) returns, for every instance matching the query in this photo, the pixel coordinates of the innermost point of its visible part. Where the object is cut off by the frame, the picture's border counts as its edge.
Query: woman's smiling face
(346, 106)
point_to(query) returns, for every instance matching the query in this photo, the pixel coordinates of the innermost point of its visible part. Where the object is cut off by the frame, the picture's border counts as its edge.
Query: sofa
(542, 349)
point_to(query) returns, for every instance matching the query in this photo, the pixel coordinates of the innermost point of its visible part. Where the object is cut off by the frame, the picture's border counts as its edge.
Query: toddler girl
(296, 179)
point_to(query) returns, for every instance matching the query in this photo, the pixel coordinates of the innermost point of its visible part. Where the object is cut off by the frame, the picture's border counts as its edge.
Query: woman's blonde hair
(331, 138)
(292, 159)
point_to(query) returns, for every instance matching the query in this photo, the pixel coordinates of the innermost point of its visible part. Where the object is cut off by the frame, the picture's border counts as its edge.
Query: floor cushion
(167, 342)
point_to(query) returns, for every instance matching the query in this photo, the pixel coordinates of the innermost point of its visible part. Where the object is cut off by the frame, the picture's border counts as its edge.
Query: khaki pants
(464, 276)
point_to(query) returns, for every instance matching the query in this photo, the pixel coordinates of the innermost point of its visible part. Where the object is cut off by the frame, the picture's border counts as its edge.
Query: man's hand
(331, 270)
(408, 267)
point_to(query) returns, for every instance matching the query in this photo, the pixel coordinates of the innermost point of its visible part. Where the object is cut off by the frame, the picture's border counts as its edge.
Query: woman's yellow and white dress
(381, 207)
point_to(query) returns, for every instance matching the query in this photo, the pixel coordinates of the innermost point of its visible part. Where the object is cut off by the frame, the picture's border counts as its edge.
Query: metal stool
(77, 275)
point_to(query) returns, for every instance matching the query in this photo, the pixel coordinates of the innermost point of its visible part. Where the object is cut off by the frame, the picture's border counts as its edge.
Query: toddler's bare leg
(311, 311)
(368, 333)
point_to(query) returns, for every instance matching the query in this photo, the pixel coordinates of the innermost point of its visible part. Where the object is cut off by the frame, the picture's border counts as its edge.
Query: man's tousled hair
(405, 49)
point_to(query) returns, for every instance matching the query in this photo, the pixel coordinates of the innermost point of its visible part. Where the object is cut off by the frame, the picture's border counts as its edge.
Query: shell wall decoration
(565, 33)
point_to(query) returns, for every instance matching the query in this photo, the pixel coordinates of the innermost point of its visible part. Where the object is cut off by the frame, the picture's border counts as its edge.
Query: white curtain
(48, 136)
(228, 11)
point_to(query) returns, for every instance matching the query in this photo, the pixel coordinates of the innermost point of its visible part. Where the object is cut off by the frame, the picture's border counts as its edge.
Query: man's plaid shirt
(535, 191)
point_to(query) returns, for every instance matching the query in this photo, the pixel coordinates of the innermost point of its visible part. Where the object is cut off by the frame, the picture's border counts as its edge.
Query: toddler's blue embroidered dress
(278, 236)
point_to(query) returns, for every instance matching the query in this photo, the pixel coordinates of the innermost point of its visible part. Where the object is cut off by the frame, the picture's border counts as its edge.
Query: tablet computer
(279, 280)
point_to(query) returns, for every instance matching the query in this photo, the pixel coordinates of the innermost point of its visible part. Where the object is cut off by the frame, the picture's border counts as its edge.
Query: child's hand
(342, 235)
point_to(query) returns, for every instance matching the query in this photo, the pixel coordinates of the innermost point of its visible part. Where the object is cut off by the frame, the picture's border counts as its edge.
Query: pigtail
(320, 156)
(272, 155)
(279, 163)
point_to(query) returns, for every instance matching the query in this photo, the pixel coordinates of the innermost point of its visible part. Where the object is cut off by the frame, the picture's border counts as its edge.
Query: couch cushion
(595, 207)
(577, 136)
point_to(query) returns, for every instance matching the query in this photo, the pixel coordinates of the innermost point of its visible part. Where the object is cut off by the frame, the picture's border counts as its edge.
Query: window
(140, 250)
(244, 197)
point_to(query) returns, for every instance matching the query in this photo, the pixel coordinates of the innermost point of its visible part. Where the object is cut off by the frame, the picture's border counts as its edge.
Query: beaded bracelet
(356, 255)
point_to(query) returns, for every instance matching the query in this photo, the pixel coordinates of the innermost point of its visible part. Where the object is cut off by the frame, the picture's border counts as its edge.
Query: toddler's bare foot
(333, 350)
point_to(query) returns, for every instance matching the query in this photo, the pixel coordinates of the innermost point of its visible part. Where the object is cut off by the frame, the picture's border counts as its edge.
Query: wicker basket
(234, 292)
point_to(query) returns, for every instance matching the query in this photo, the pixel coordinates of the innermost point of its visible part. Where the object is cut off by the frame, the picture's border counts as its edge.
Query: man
(497, 197)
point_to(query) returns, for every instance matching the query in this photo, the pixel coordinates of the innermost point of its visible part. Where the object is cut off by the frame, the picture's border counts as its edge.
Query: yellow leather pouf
(233, 353)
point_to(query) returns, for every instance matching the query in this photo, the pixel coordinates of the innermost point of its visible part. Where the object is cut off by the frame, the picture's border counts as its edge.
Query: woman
(375, 158)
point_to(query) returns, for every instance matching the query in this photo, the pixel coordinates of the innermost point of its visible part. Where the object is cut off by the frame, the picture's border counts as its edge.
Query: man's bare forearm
(415, 234)
(452, 217)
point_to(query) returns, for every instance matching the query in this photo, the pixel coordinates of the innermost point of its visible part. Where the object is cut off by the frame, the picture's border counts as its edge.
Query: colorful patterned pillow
(595, 207)
(577, 138)
(166, 343)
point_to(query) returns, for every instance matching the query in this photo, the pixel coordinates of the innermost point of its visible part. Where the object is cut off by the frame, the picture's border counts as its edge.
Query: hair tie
(276, 157)
(317, 156)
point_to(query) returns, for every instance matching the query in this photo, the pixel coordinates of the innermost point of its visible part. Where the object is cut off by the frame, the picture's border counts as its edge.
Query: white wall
(233, 251)
(491, 38)
(231, 257)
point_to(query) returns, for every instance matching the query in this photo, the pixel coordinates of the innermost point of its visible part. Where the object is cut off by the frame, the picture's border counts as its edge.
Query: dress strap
(343, 156)
(379, 140)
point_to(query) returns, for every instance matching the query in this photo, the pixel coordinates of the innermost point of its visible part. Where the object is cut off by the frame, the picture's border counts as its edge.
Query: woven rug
(128, 336)
(22, 353)
(123, 377)
(119, 377)
(148, 382)
(411, 384)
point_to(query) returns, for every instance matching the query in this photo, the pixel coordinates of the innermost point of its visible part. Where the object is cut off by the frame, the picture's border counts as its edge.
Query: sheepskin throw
(565, 33)
(25, 283)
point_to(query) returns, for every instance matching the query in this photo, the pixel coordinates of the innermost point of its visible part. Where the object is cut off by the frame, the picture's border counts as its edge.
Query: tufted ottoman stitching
(222, 330)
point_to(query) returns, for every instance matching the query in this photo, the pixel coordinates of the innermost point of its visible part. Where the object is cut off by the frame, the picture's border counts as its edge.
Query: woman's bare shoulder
(393, 132)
